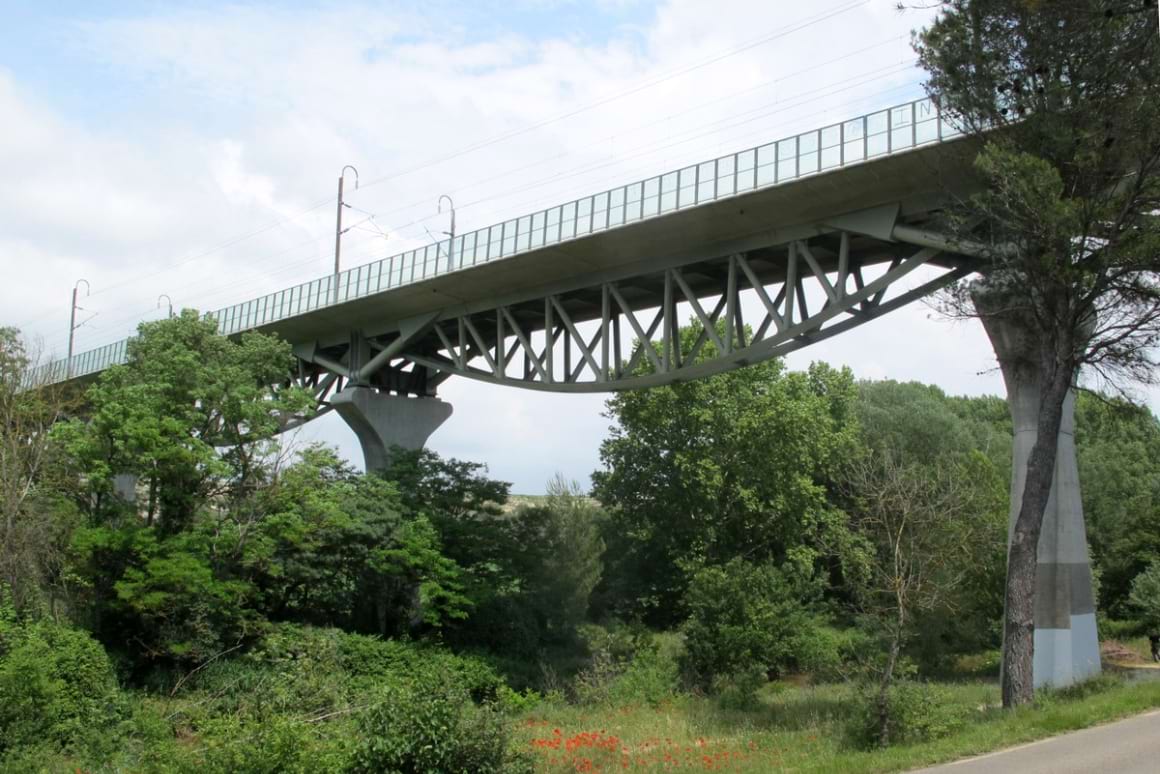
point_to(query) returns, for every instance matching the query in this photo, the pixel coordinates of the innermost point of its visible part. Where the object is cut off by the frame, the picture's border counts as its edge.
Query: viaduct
(766, 250)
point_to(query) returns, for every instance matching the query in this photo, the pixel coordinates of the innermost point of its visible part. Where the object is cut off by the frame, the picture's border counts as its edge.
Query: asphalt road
(1129, 746)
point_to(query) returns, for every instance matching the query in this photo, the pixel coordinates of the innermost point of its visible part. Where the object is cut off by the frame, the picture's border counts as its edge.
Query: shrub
(738, 691)
(271, 745)
(650, 677)
(428, 723)
(512, 702)
(830, 654)
(1104, 681)
(744, 616)
(371, 659)
(919, 712)
(1111, 629)
(56, 686)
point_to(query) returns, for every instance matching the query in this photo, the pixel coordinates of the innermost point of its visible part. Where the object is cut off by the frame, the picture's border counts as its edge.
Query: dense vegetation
(252, 609)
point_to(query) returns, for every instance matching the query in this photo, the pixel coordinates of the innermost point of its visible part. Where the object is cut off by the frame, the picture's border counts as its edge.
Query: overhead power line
(780, 33)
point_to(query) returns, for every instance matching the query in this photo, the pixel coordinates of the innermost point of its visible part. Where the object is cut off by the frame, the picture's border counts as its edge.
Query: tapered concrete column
(381, 421)
(1066, 643)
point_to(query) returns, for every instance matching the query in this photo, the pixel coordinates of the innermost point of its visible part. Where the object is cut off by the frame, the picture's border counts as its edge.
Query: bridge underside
(620, 330)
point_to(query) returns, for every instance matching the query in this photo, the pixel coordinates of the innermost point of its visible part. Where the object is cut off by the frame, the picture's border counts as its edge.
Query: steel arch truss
(625, 333)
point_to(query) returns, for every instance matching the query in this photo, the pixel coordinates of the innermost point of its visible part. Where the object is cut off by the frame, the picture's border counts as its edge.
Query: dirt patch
(1117, 652)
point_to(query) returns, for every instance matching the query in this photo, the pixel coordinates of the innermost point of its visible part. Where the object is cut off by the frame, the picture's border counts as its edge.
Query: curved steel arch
(538, 343)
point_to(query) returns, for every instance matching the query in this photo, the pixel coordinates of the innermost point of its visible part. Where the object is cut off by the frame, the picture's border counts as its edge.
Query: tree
(561, 557)
(929, 525)
(333, 547)
(699, 472)
(1064, 97)
(191, 413)
(1118, 446)
(34, 519)
(1145, 597)
(746, 617)
(918, 432)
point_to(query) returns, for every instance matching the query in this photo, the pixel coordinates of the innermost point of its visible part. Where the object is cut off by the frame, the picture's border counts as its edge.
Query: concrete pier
(1066, 643)
(125, 487)
(381, 421)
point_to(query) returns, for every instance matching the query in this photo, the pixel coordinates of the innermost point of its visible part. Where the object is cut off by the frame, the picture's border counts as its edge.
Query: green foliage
(698, 472)
(184, 393)
(829, 654)
(738, 690)
(935, 472)
(652, 676)
(336, 547)
(270, 745)
(363, 657)
(628, 665)
(56, 687)
(525, 574)
(161, 597)
(427, 723)
(36, 517)
(1113, 629)
(180, 607)
(918, 711)
(1118, 446)
(559, 561)
(1145, 597)
(744, 615)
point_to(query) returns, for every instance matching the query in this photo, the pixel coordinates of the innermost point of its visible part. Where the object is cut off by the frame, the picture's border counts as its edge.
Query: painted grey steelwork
(872, 136)
(1066, 644)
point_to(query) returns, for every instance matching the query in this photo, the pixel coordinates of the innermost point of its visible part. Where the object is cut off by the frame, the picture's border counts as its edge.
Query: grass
(804, 728)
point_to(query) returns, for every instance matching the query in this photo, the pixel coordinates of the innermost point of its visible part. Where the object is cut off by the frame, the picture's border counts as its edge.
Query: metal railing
(874, 135)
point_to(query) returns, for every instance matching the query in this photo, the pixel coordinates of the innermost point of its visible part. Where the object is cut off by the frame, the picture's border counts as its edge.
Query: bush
(428, 723)
(1104, 681)
(738, 691)
(628, 665)
(919, 712)
(272, 745)
(829, 654)
(371, 659)
(650, 677)
(1111, 629)
(56, 686)
(745, 616)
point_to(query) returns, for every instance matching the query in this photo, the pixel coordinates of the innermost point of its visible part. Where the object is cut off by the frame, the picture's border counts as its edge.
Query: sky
(193, 149)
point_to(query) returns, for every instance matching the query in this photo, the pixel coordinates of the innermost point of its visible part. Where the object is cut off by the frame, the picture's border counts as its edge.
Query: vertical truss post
(843, 264)
(790, 283)
(462, 345)
(666, 324)
(500, 358)
(730, 303)
(616, 345)
(605, 314)
(567, 355)
(549, 339)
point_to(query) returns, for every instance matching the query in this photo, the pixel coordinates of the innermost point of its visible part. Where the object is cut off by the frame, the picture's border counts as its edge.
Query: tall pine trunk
(1018, 685)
